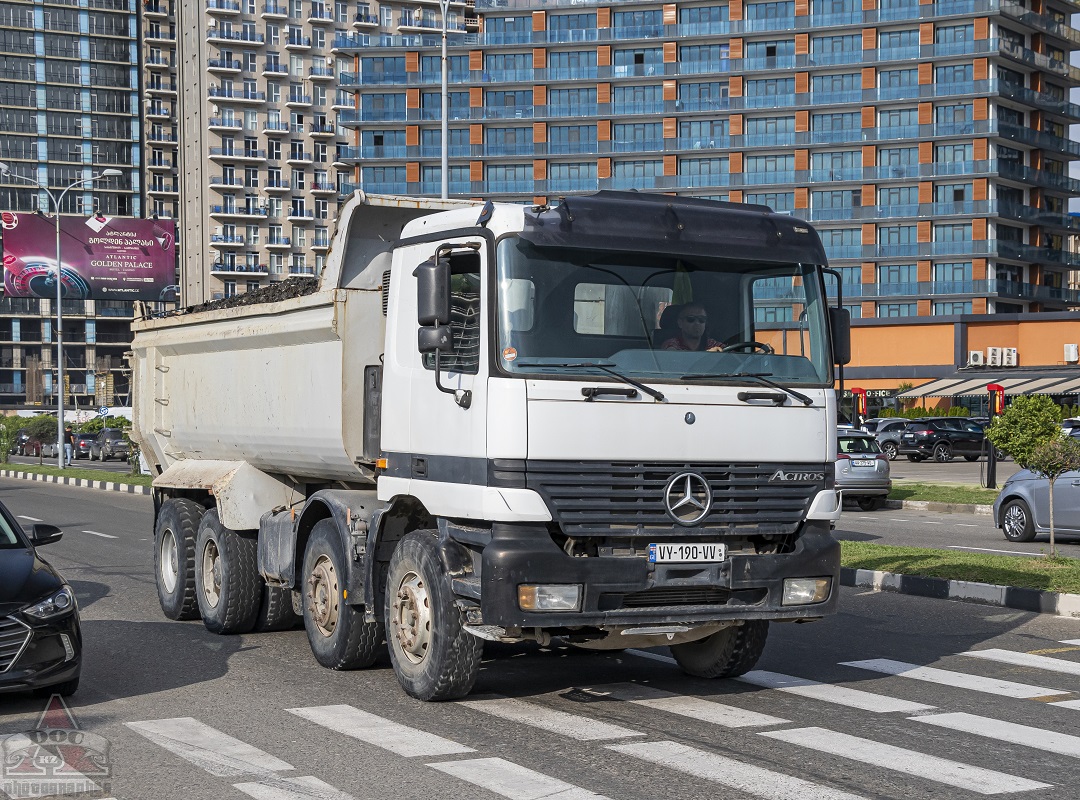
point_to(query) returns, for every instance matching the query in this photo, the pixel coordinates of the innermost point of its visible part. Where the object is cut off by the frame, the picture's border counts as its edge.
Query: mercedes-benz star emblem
(688, 498)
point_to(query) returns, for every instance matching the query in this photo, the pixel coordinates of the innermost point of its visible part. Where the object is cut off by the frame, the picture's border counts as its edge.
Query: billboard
(103, 258)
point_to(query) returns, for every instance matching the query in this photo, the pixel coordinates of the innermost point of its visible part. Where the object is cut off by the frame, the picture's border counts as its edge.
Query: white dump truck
(510, 423)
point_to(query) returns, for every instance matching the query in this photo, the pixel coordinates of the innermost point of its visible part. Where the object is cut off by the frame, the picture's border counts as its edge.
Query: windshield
(8, 538)
(659, 317)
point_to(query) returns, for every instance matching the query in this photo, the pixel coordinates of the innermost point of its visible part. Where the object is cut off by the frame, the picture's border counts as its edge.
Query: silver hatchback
(1022, 509)
(862, 470)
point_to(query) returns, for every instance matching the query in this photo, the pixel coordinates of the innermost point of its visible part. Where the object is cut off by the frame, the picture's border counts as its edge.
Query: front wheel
(942, 453)
(1016, 522)
(971, 458)
(227, 581)
(434, 657)
(174, 557)
(890, 451)
(726, 654)
(337, 633)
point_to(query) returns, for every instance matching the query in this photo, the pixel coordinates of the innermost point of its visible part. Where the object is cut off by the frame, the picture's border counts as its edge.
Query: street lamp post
(444, 7)
(56, 201)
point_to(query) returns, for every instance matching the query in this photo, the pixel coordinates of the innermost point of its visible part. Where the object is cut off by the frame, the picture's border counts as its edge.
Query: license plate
(863, 463)
(687, 553)
(909, 435)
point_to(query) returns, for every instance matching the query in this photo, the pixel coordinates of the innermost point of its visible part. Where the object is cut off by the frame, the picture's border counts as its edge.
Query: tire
(101, 456)
(276, 610)
(174, 557)
(1016, 522)
(890, 450)
(971, 458)
(227, 581)
(434, 657)
(338, 635)
(915, 458)
(869, 503)
(726, 654)
(942, 453)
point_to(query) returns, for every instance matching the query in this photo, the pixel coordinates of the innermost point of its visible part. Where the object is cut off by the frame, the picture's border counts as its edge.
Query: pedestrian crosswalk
(767, 735)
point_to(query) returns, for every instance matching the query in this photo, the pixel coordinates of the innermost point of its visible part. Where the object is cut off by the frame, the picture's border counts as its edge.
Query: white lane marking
(511, 780)
(307, 788)
(893, 519)
(738, 775)
(399, 739)
(910, 762)
(31, 519)
(931, 522)
(102, 535)
(829, 693)
(991, 550)
(1012, 732)
(692, 707)
(210, 749)
(966, 525)
(1070, 704)
(652, 656)
(1027, 660)
(573, 726)
(1070, 641)
(958, 680)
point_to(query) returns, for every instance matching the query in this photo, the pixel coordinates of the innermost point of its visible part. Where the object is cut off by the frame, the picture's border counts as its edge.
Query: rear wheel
(338, 635)
(726, 654)
(227, 581)
(276, 611)
(174, 557)
(971, 458)
(869, 503)
(942, 452)
(915, 457)
(890, 450)
(1016, 522)
(434, 657)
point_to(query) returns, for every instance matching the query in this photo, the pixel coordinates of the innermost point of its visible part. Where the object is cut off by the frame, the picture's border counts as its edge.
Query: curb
(1035, 600)
(944, 508)
(109, 486)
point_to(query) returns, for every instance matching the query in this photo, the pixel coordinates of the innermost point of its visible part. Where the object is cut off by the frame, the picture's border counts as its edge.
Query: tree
(42, 430)
(9, 430)
(1029, 421)
(1051, 460)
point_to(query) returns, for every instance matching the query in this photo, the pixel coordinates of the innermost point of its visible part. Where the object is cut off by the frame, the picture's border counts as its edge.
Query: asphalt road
(176, 711)
(80, 463)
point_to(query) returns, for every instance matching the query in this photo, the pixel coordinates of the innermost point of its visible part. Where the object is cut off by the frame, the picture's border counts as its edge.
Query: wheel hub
(322, 596)
(211, 571)
(410, 617)
(168, 562)
(1014, 520)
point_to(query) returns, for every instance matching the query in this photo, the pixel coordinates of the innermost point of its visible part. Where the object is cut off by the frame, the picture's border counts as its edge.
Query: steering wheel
(762, 346)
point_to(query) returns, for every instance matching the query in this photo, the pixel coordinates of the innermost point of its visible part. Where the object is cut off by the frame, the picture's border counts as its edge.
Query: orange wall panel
(412, 62)
(603, 18)
(671, 14)
(869, 39)
(671, 165)
(476, 134)
(539, 20)
(412, 135)
(412, 172)
(539, 170)
(603, 130)
(539, 132)
(476, 60)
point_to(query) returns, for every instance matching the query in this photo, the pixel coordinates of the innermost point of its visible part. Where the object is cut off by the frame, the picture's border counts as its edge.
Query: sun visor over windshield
(647, 223)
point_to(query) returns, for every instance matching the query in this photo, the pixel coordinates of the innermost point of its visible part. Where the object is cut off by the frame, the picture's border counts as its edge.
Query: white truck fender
(243, 493)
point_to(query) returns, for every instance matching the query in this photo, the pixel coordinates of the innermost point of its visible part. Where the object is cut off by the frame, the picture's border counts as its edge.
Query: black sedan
(40, 638)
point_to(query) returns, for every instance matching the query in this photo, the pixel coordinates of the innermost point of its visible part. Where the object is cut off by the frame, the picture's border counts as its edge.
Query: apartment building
(69, 108)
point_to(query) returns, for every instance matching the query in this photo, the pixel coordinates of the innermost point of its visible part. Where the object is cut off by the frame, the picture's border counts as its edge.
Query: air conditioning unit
(993, 356)
(975, 358)
(1009, 357)
(1072, 354)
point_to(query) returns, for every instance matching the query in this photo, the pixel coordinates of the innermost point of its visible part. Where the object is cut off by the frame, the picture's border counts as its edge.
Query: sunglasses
(695, 318)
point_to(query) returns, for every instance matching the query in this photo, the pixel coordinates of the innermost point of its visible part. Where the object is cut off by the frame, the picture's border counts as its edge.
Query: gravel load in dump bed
(273, 293)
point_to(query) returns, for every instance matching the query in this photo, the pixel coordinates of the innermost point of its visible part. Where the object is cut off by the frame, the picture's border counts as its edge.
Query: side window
(464, 316)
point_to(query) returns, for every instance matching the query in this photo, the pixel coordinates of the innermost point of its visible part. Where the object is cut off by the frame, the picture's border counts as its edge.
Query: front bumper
(742, 587)
(44, 661)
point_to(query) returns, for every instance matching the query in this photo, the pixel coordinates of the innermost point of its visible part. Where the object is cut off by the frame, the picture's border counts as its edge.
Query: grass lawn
(86, 474)
(942, 494)
(1049, 574)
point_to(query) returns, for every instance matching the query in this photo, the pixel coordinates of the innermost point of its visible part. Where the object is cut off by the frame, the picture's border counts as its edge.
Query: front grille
(620, 498)
(677, 596)
(13, 638)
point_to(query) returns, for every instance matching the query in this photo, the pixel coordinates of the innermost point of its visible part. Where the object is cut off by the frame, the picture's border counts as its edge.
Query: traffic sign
(103, 411)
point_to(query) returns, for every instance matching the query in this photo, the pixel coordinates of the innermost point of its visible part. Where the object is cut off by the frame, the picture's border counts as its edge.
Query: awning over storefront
(967, 384)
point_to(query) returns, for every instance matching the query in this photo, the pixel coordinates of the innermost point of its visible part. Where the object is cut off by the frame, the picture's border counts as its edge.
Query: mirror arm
(463, 397)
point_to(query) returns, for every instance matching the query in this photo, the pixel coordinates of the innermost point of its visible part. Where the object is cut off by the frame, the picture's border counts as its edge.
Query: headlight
(55, 605)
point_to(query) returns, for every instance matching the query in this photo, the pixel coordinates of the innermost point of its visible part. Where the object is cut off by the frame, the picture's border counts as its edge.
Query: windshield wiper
(603, 367)
(760, 377)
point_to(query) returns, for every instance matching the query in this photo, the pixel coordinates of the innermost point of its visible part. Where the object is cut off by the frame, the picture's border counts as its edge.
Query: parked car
(1022, 508)
(109, 443)
(942, 438)
(888, 433)
(83, 444)
(40, 637)
(862, 470)
(50, 450)
(24, 445)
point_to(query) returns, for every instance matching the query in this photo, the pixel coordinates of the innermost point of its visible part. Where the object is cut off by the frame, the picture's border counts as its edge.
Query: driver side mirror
(840, 325)
(433, 306)
(42, 534)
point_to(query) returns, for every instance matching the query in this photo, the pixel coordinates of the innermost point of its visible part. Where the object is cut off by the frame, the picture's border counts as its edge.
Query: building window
(885, 310)
(777, 201)
(893, 196)
(950, 307)
(230, 288)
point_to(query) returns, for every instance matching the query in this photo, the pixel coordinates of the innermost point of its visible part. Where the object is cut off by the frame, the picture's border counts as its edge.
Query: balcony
(161, 189)
(276, 128)
(322, 130)
(161, 88)
(298, 101)
(274, 68)
(248, 212)
(274, 11)
(159, 112)
(297, 42)
(365, 21)
(274, 186)
(221, 183)
(222, 268)
(220, 124)
(157, 10)
(301, 271)
(299, 157)
(159, 36)
(159, 165)
(233, 154)
(217, 35)
(320, 15)
(321, 74)
(223, 8)
(161, 137)
(221, 240)
(223, 66)
(299, 215)
(323, 189)
(156, 62)
(278, 242)
(229, 95)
